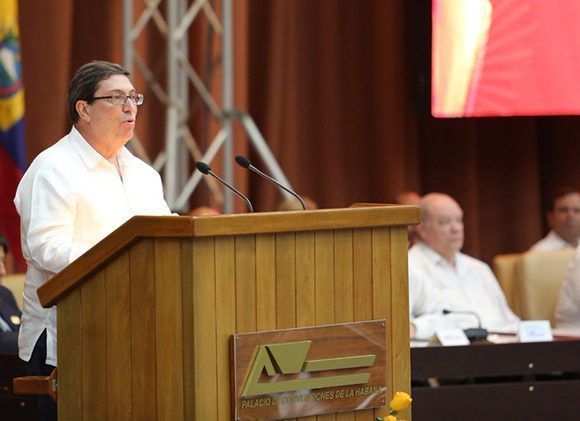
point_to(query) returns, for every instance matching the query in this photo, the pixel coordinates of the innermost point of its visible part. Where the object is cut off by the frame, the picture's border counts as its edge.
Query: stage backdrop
(341, 90)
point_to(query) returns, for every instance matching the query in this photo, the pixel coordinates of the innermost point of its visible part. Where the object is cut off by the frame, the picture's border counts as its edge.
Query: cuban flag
(12, 152)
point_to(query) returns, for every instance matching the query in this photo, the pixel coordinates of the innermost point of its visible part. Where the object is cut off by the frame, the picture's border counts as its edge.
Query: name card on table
(452, 337)
(535, 331)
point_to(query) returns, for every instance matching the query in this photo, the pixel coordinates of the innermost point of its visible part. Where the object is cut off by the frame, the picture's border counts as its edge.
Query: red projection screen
(505, 58)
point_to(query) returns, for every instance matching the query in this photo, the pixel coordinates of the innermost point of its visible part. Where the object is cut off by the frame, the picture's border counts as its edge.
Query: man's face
(115, 123)
(2, 262)
(564, 219)
(443, 228)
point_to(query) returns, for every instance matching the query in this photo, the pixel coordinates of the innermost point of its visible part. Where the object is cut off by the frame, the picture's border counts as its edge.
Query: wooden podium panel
(298, 372)
(145, 317)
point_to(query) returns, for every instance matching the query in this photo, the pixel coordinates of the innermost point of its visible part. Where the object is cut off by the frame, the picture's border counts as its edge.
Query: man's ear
(420, 229)
(82, 108)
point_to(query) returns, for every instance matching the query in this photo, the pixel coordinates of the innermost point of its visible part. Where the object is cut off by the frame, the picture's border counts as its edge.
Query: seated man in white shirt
(564, 221)
(568, 307)
(456, 282)
(77, 192)
(426, 307)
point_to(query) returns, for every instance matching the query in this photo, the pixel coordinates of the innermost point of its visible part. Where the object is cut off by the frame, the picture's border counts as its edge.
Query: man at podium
(77, 192)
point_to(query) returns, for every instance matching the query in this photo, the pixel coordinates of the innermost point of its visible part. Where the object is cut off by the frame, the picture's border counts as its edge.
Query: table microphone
(206, 169)
(244, 162)
(473, 334)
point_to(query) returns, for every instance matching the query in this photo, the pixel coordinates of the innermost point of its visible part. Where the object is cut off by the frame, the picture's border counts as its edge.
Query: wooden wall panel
(381, 244)
(70, 357)
(187, 302)
(266, 282)
(225, 284)
(94, 347)
(324, 255)
(343, 289)
(245, 283)
(324, 270)
(362, 274)
(118, 298)
(305, 280)
(363, 288)
(143, 337)
(401, 355)
(305, 284)
(285, 280)
(204, 313)
(168, 329)
(343, 273)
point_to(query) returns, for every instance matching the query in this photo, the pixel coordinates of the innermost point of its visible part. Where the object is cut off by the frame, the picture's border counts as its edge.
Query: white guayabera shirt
(568, 307)
(70, 198)
(469, 286)
(552, 241)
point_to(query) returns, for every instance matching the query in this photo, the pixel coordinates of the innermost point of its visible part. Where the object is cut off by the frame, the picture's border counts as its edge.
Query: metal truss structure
(173, 22)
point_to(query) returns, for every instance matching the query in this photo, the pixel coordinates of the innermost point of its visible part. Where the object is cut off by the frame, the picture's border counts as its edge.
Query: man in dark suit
(9, 312)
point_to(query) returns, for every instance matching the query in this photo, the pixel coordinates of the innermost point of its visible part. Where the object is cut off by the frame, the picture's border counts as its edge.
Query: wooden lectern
(145, 316)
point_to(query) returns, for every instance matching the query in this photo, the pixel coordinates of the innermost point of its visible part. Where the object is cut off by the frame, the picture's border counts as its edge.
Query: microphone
(206, 169)
(473, 334)
(244, 162)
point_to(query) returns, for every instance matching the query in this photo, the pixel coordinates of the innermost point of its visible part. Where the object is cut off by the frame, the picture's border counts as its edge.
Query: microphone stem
(263, 174)
(236, 191)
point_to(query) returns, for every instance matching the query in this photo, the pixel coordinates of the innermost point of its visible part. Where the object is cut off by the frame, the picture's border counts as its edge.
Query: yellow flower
(400, 402)
(390, 418)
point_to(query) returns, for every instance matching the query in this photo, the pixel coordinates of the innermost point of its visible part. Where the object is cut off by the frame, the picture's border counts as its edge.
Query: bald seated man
(441, 277)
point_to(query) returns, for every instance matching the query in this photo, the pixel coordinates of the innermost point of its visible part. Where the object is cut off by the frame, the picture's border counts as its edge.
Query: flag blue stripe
(12, 141)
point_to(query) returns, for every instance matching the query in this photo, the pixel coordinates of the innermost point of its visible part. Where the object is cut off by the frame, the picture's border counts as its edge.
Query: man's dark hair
(4, 244)
(84, 83)
(560, 192)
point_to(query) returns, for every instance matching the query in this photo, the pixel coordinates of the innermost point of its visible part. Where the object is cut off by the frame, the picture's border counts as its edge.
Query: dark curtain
(340, 89)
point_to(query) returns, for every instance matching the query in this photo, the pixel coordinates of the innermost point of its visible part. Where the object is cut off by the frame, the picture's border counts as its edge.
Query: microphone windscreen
(203, 167)
(243, 161)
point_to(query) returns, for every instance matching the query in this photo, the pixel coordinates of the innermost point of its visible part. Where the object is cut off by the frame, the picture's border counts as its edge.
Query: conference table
(483, 381)
(497, 381)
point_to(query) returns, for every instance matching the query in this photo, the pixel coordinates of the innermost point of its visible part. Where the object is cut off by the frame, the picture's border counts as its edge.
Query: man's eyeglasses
(121, 99)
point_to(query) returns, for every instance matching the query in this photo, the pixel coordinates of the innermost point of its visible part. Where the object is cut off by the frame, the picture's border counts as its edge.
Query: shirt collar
(553, 236)
(90, 156)
(430, 254)
(125, 157)
(436, 259)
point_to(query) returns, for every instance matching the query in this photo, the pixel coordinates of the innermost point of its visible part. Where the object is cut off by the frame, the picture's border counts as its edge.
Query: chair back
(538, 280)
(504, 266)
